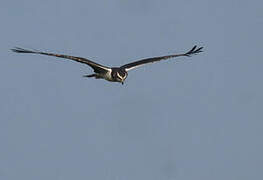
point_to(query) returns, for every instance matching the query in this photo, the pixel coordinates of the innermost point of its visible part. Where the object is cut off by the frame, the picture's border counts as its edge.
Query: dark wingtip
(21, 50)
(194, 51)
(16, 49)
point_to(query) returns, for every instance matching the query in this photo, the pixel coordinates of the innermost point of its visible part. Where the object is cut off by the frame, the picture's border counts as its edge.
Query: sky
(186, 118)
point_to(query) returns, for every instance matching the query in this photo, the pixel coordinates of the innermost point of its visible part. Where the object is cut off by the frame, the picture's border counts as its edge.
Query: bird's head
(120, 75)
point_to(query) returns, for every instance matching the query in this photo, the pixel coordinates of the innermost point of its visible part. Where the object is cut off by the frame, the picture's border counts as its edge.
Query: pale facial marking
(120, 76)
(125, 75)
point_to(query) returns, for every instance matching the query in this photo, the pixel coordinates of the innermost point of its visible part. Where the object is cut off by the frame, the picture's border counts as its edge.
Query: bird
(113, 74)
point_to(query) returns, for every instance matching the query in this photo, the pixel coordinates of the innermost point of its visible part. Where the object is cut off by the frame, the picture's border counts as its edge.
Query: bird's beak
(122, 83)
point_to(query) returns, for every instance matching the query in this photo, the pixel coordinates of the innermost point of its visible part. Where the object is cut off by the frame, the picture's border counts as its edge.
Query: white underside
(107, 76)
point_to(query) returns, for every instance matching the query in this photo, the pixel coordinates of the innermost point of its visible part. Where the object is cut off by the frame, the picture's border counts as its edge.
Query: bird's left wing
(136, 64)
(95, 66)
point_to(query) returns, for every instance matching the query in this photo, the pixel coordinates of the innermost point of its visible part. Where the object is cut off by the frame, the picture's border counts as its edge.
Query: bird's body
(113, 74)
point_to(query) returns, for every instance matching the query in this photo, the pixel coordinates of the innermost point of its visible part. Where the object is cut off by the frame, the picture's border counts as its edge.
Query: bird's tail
(90, 75)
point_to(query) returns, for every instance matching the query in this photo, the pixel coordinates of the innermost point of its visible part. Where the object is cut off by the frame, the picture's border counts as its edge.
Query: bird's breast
(108, 76)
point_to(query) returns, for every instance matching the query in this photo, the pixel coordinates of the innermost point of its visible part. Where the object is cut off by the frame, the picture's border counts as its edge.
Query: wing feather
(139, 63)
(95, 66)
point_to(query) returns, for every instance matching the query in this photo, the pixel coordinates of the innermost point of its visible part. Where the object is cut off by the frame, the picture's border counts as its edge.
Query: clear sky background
(186, 118)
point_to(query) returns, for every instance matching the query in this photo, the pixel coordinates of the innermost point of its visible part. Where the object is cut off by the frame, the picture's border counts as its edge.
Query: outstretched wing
(96, 67)
(136, 64)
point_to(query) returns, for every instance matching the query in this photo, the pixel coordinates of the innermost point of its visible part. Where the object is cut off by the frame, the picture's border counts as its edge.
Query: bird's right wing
(95, 66)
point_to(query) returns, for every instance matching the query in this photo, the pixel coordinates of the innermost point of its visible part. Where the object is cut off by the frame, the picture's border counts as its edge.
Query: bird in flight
(114, 74)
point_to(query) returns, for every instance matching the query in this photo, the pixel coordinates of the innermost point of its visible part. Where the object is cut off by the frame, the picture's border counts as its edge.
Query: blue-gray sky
(187, 118)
